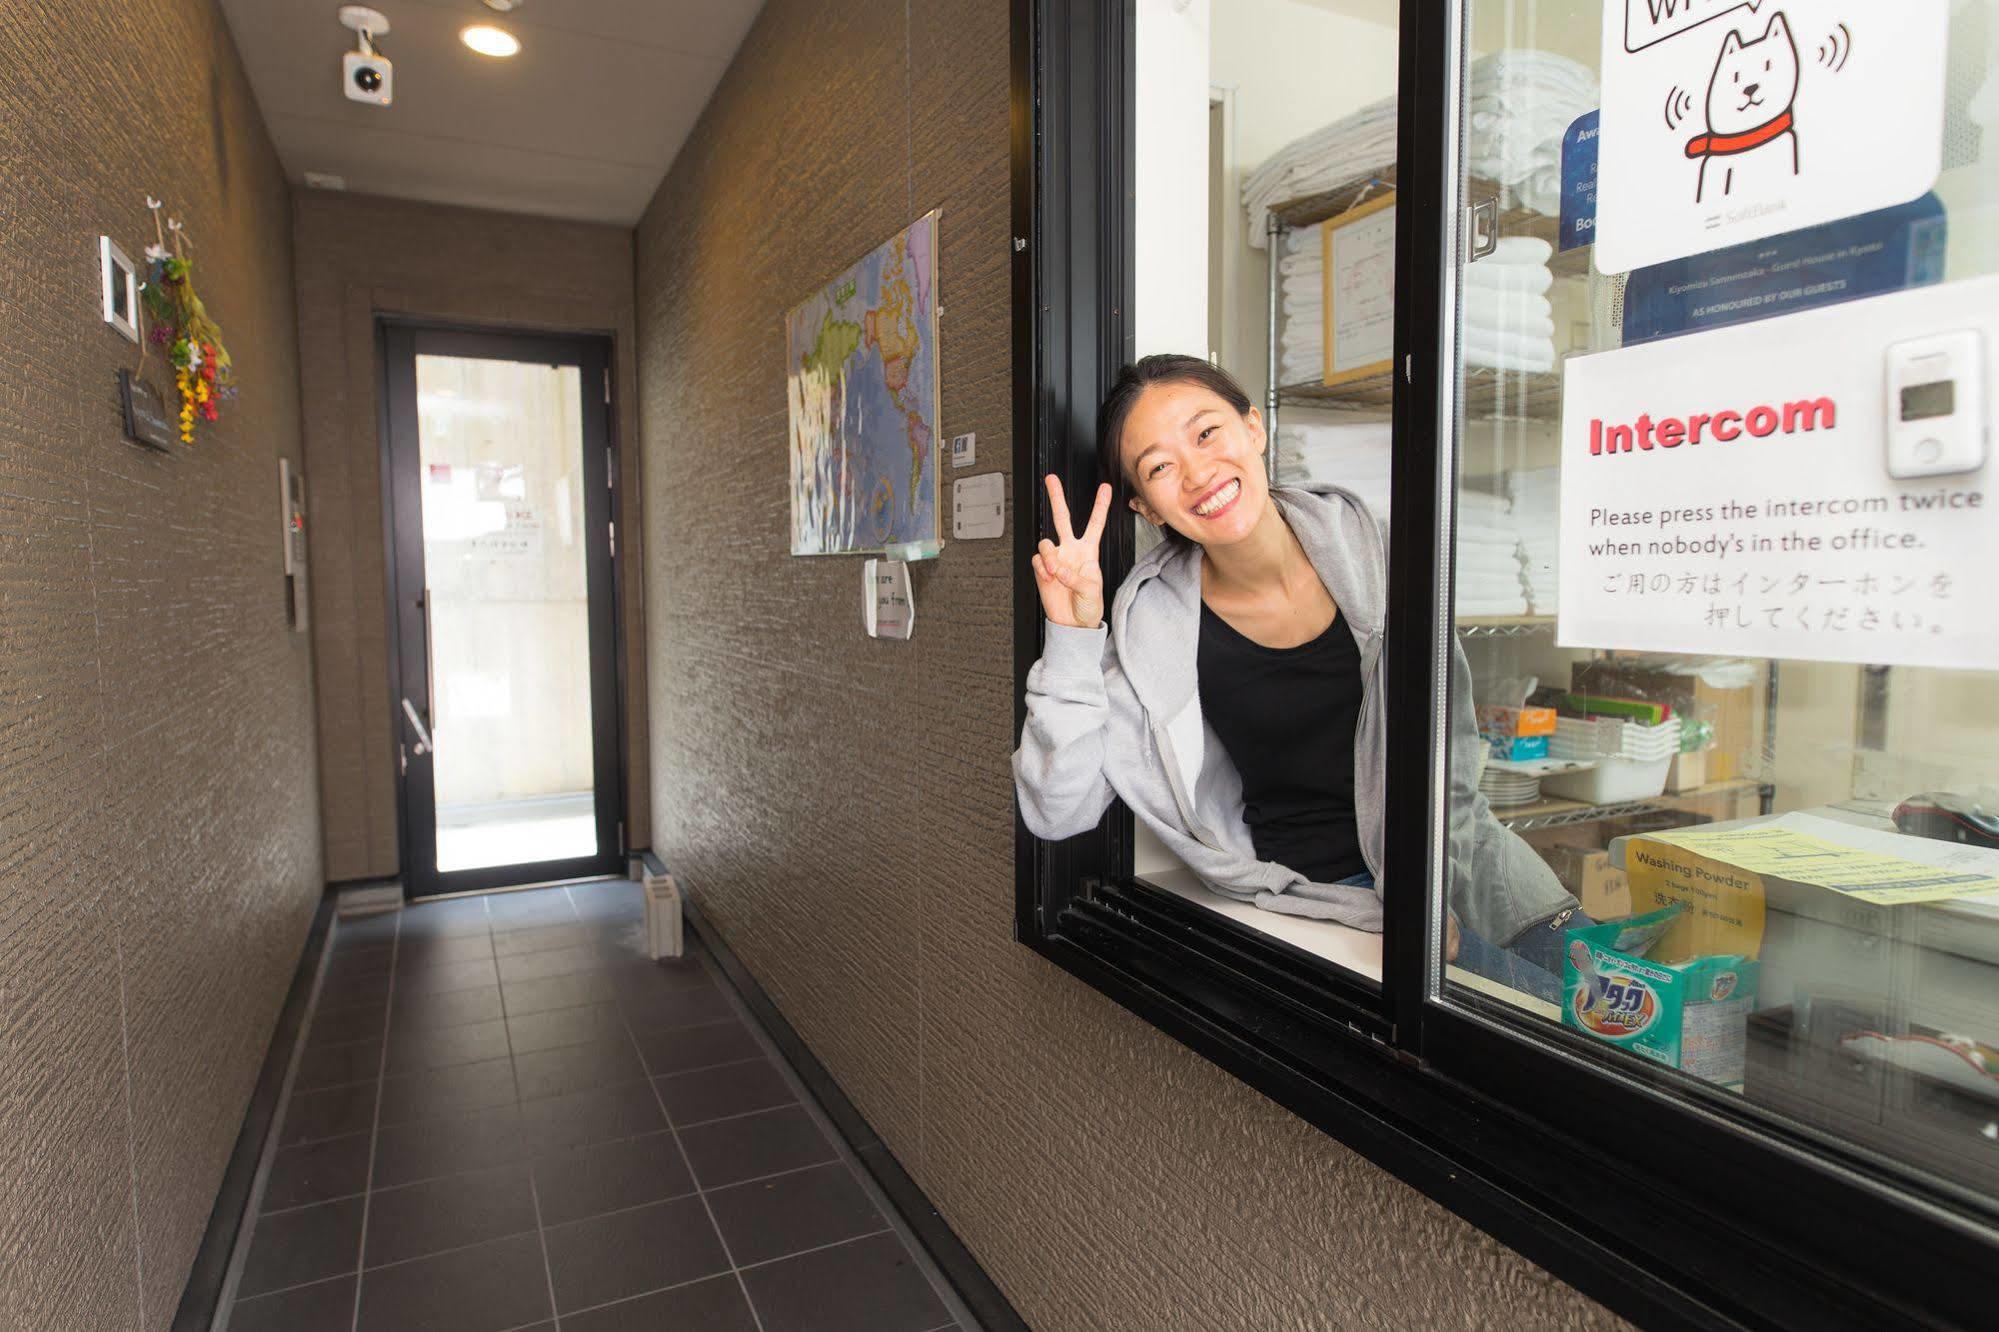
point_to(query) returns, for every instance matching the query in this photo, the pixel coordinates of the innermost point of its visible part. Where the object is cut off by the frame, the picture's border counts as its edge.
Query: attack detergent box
(1691, 1014)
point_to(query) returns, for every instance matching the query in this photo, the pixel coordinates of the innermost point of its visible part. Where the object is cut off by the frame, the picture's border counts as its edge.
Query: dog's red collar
(1720, 145)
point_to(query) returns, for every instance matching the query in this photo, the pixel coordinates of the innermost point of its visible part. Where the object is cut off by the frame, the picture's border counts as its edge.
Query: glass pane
(503, 542)
(1726, 318)
(1247, 153)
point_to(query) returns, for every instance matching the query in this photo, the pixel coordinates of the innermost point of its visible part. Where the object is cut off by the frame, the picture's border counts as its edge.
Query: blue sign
(1579, 182)
(1823, 265)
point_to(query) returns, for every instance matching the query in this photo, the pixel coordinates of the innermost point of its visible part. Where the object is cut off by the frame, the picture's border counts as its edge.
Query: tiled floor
(506, 1116)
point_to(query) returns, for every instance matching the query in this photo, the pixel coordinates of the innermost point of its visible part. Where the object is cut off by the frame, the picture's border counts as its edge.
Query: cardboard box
(1604, 891)
(1498, 720)
(1689, 1013)
(1687, 772)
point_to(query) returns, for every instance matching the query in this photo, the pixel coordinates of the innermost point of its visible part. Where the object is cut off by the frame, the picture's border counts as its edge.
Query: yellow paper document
(1786, 852)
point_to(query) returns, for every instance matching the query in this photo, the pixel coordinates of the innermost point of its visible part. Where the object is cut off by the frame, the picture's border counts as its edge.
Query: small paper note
(887, 609)
(978, 506)
(964, 450)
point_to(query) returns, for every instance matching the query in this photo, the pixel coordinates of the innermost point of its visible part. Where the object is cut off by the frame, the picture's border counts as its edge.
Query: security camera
(365, 74)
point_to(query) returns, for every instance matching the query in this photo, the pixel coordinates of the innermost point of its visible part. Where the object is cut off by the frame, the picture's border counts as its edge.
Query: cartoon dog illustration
(1750, 120)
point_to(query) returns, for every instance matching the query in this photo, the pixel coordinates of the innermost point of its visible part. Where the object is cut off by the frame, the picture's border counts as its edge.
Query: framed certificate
(1360, 291)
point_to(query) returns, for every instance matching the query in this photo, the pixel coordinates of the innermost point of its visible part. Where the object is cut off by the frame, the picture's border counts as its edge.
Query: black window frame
(1745, 1222)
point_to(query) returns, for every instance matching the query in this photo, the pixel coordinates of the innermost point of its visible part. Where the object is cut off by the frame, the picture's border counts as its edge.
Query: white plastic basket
(1611, 781)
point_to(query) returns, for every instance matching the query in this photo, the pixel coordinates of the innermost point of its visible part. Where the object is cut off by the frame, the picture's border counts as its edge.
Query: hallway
(504, 1115)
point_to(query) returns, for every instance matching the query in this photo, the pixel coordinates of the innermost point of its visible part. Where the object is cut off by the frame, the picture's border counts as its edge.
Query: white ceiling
(581, 124)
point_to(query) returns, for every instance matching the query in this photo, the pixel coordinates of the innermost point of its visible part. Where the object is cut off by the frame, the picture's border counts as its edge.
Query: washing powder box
(1691, 1013)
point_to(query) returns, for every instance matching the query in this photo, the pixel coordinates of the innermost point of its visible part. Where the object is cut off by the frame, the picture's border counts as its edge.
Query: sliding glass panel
(1727, 313)
(1264, 245)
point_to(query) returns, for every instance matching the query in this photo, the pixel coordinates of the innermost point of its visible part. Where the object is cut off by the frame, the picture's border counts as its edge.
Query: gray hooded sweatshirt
(1116, 711)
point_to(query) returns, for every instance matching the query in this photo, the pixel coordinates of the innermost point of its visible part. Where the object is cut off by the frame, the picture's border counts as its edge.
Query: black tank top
(1287, 716)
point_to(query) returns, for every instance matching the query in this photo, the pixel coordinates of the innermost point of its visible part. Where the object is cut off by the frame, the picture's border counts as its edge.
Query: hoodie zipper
(1181, 799)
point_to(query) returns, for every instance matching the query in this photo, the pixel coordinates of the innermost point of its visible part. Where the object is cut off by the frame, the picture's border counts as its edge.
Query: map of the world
(861, 374)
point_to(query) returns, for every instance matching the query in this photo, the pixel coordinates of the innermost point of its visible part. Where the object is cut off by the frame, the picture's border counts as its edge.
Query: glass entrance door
(506, 714)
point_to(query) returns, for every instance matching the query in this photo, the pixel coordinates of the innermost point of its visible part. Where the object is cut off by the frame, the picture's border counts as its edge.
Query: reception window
(1660, 344)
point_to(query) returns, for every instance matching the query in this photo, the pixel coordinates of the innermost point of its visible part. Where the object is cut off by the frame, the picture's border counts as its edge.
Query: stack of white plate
(1508, 788)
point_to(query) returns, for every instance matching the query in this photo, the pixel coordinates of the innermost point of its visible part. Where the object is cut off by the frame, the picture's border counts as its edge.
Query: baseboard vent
(663, 923)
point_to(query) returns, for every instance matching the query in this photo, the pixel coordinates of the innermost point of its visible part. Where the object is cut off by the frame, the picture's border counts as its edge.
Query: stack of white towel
(1537, 504)
(1519, 104)
(1508, 321)
(1301, 338)
(1353, 457)
(1489, 580)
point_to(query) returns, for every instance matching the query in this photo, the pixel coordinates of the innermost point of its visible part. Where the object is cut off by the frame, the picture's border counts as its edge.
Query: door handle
(423, 740)
(1484, 228)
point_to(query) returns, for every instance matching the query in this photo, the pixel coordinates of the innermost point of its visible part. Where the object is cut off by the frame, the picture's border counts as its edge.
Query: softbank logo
(1670, 432)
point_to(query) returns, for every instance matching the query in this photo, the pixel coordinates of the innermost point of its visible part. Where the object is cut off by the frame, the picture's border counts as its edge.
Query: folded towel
(1491, 608)
(1526, 363)
(1519, 250)
(1531, 326)
(1533, 280)
(1486, 347)
(1490, 303)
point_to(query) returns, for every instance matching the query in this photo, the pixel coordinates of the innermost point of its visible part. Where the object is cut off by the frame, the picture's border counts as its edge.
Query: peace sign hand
(1070, 579)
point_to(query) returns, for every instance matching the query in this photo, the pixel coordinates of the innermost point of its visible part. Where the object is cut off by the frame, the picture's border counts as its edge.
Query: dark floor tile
(429, 951)
(558, 1027)
(491, 1286)
(433, 1147)
(544, 906)
(867, 1285)
(714, 1304)
(549, 962)
(444, 977)
(324, 1306)
(329, 1113)
(441, 1092)
(626, 943)
(358, 932)
(448, 1213)
(317, 1172)
(310, 1244)
(541, 938)
(690, 1007)
(416, 1049)
(572, 991)
(769, 1218)
(351, 991)
(465, 915)
(684, 1049)
(592, 1116)
(589, 1181)
(649, 976)
(364, 958)
(344, 1026)
(575, 1068)
(334, 1065)
(733, 1089)
(631, 1252)
(613, 899)
(731, 1150)
(452, 1009)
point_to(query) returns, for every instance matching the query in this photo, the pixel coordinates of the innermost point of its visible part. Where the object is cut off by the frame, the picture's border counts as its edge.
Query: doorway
(501, 577)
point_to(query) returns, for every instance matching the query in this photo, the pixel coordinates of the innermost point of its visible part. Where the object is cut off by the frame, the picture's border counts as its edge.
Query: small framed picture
(121, 289)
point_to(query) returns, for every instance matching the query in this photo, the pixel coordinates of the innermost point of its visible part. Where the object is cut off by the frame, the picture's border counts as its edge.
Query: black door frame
(398, 343)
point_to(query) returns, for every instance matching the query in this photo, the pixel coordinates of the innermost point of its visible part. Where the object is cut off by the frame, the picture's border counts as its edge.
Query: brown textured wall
(159, 836)
(359, 257)
(841, 807)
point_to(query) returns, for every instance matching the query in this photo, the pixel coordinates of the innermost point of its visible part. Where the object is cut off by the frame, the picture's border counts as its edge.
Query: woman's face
(1196, 463)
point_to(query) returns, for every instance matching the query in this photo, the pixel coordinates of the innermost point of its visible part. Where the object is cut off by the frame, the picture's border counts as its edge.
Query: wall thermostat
(1936, 405)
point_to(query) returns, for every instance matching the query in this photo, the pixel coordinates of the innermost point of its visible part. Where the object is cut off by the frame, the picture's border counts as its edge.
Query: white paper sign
(887, 609)
(964, 450)
(1728, 493)
(1725, 121)
(1360, 316)
(978, 506)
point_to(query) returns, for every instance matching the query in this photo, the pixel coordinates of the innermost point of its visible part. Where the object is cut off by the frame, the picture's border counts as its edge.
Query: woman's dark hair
(1132, 381)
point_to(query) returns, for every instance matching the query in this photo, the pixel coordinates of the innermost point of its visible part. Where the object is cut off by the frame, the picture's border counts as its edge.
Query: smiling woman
(1257, 622)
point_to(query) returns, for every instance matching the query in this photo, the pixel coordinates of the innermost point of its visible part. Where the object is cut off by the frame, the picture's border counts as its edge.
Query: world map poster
(861, 376)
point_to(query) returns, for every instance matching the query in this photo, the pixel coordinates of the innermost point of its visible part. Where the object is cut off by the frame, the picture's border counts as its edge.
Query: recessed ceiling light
(324, 180)
(490, 41)
(502, 6)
